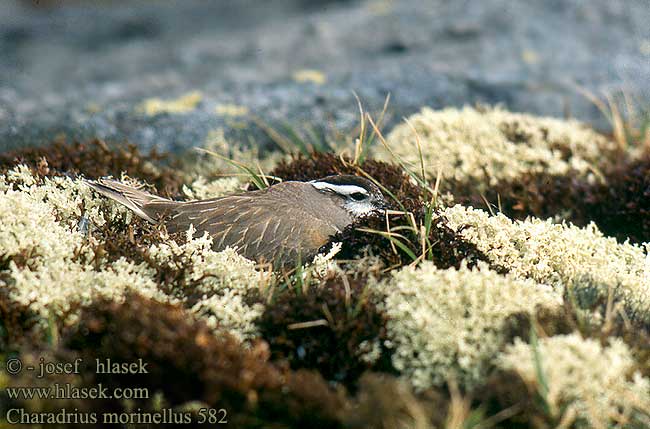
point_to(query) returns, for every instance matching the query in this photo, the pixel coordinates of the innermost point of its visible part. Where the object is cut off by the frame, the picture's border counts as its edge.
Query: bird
(284, 224)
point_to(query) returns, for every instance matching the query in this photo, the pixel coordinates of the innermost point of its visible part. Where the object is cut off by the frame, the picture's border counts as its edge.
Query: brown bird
(283, 224)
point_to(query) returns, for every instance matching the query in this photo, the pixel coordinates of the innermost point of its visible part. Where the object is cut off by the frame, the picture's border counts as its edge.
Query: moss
(448, 249)
(345, 339)
(94, 159)
(132, 241)
(18, 324)
(320, 164)
(618, 203)
(214, 285)
(31, 357)
(595, 323)
(387, 402)
(45, 257)
(211, 333)
(559, 320)
(186, 362)
(621, 206)
(505, 389)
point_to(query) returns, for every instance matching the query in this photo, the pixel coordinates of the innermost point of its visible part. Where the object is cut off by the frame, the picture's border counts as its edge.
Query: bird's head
(358, 196)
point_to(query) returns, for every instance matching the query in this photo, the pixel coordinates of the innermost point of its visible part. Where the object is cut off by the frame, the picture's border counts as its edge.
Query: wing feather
(259, 224)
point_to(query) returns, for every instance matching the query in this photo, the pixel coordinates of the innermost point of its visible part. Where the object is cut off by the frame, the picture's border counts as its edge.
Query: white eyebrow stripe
(340, 189)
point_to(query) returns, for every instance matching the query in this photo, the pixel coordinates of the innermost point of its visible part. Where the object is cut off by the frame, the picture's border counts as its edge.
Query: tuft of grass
(542, 382)
(290, 140)
(628, 117)
(366, 136)
(414, 238)
(260, 180)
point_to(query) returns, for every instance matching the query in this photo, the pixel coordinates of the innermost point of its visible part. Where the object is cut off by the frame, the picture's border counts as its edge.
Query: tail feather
(131, 197)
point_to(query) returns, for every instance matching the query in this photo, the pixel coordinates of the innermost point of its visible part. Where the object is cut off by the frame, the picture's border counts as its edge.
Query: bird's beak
(383, 206)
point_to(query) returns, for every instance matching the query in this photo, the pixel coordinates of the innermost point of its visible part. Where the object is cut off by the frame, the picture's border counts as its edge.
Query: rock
(90, 69)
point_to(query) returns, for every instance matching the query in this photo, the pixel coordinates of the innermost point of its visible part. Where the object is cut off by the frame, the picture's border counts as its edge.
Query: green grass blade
(255, 178)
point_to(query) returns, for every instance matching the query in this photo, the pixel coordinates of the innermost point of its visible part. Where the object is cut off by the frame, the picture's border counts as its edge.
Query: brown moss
(186, 362)
(347, 318)
(33, 357)
(448, 248)
(132, 241)
(620, 205)
(18, 324)
(386, 402)
(506, 391)
(96, 158)
(321, 164)
(547, 321)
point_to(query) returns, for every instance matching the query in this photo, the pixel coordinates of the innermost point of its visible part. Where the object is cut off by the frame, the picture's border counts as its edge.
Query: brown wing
(258, 224)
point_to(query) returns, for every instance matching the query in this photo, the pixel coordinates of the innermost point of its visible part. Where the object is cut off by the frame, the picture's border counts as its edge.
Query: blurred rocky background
(170, 73)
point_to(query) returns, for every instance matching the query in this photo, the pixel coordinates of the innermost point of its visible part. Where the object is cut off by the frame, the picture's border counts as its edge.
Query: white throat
(359, 208)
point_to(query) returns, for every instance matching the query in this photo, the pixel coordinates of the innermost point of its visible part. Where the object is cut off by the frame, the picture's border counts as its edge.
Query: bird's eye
(358, 196)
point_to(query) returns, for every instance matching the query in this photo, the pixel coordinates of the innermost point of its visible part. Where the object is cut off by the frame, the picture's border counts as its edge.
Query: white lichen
(581, 260)
(201, 189)
(483, 147)
(48, 258)
(221, 280)
(445, 324)
(44, 249)
(588, 385)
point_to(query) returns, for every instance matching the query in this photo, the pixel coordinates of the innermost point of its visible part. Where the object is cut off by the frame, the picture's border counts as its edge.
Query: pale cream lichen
(201, 189)
(30, 231)
(228, 312)
(47, 268)
(448, 323)
(183, 104)
(221, 280)
(218, 155)
(68, 199)
(588, 385)
(44, 249)
(61, 289)
(565, 256)
(482, 147)
(232, 110)
(309, 75)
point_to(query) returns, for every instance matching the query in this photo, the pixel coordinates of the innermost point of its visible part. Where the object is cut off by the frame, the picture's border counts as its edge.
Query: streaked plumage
(283, 224)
